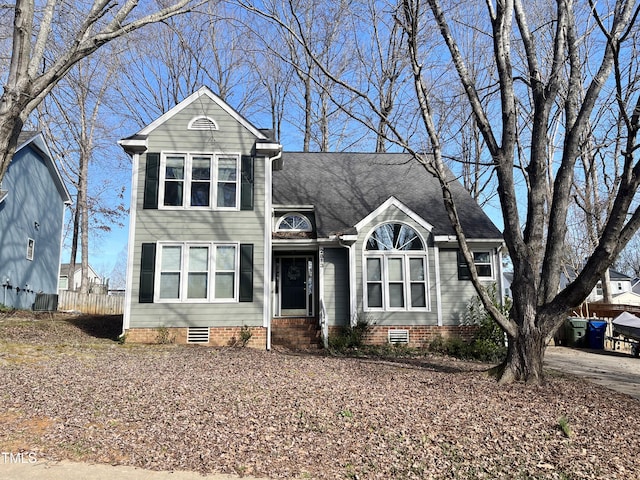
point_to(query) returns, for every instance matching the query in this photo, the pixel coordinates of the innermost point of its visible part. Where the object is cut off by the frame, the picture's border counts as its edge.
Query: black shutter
(246, 272)
(151, 179)
(246, 185)
(147, 273)
(463, 268)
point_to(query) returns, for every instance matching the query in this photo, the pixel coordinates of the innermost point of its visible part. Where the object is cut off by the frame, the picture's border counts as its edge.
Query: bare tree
(48, 39)
(73, 115)
(533, 86)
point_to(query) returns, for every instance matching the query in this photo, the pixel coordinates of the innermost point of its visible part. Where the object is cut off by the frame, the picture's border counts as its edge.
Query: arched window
(293, 222)
(396, 269)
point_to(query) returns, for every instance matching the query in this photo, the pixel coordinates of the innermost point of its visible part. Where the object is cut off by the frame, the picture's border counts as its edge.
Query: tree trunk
(525, 358)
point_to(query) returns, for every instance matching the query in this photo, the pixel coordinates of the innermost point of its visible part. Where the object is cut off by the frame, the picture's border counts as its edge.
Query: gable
(36, 142)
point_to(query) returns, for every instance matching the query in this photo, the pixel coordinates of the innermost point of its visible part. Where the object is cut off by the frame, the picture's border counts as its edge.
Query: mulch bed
(70, 391)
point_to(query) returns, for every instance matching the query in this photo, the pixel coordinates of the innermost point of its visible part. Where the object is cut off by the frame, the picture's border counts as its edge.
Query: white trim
(405, 256)
(212, 271)
(129, 144)
(203, 91)
(297, 230)
(353, 281)
(188, 181)
(133, 208)
(213, 125)
(292, 206)
(440, 239)
(436, 261)
(394, 202)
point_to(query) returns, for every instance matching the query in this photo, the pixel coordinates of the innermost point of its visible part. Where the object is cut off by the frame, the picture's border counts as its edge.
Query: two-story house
(228, 232)
(33, 199)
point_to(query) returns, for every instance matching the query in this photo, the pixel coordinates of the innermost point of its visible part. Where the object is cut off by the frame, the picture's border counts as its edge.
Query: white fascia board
(268, 148)
(203, 91)
(442, 239)
(134, 144)
(394, 202)
(282, 206)
(283, 244)
(3, 195)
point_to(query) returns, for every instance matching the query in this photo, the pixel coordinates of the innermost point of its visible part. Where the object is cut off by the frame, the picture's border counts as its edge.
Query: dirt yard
(70, 391)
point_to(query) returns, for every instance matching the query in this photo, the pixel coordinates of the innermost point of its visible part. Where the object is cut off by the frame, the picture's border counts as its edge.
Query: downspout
(133, 208)
(268, 243)
(353, 314)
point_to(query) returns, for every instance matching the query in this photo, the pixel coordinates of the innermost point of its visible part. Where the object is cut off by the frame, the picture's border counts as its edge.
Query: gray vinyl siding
(455, 293)
(33, 197)
(336, 285)
(187, 225)
(414, 317)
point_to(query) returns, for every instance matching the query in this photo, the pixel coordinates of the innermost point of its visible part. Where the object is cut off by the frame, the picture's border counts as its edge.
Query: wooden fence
(90, 303)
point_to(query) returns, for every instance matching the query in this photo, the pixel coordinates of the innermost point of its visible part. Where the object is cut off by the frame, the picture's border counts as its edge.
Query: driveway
(615, 370)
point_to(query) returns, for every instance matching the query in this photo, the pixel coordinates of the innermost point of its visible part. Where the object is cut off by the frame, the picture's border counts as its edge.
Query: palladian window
(395, 269)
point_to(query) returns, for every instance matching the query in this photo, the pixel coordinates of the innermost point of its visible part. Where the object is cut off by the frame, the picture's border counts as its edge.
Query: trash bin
(596, 330)
(575, 331)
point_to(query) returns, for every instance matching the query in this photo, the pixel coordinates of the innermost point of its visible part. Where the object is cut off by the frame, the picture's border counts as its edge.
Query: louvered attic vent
(202, 123)
(397, 336)
(198, 335)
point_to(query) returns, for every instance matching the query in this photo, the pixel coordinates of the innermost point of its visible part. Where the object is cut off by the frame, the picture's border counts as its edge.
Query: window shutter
(147, 267)
(151, 179)
(463, 268)
(246, 272)
(246, 186)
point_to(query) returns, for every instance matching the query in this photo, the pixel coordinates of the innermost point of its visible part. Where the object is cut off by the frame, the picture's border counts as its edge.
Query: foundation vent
(398, 336)
(198, 335)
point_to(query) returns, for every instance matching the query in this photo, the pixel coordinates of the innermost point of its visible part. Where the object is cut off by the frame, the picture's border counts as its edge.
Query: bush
(351, 337)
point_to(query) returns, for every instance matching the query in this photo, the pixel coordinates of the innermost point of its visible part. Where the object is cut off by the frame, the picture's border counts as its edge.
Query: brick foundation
(419, 335)
(218, 336)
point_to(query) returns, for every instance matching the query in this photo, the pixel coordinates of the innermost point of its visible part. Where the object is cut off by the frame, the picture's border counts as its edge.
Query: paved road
(615, 370)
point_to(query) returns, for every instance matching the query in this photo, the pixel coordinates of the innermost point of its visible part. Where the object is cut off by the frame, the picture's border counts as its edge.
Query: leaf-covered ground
(68, 390)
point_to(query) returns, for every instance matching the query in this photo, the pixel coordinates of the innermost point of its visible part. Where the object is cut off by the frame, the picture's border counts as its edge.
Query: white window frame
(491, 263)
(31, 248)
(284, 217)
(405, 256)
(188, 180)
(184, 272)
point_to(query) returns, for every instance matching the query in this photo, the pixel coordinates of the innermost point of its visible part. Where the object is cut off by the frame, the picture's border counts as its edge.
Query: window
(197, 272)
(63, 283)
(31, 245)
(483, 262)
(395, 269)
(293, 222)
(187, 181)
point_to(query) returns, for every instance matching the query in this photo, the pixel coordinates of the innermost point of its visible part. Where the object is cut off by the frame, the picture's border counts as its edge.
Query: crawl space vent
(397, 336)
(198, 335)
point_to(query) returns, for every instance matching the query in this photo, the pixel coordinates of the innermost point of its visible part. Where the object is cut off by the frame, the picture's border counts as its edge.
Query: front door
(295, 277)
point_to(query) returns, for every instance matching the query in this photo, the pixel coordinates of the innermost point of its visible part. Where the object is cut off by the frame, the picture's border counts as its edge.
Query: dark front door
(296, 293)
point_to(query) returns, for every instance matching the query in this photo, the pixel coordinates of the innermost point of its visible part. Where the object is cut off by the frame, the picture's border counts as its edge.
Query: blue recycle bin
(596, 332)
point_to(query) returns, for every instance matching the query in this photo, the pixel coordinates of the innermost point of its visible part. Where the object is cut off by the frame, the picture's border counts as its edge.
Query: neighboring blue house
(33, 199)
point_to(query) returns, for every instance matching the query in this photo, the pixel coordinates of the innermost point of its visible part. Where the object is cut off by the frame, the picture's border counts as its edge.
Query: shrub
(351, 337)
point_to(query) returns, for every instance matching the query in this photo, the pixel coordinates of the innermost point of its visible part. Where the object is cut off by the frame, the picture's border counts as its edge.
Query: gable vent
(202, 123)
(198, 335)
(397, 336)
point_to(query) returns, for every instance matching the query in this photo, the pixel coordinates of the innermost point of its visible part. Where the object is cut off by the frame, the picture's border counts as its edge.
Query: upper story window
(396, 269)
(293, 222)
(483, 261)
(199, 180)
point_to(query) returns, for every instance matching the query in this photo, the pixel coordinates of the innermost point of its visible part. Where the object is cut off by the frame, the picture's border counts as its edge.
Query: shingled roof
(345, 187)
